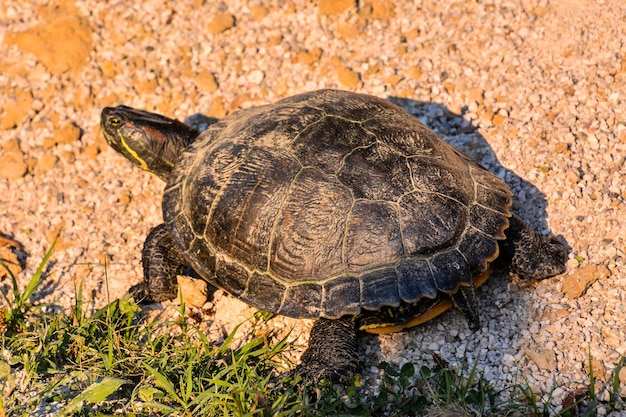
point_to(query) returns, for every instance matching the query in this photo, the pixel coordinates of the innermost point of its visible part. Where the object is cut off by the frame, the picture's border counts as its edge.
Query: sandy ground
(534, 90)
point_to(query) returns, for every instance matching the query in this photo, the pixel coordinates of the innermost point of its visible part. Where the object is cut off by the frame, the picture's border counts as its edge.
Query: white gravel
(534, 90)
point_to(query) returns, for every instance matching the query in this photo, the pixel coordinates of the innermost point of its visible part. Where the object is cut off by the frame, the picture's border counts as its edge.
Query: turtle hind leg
(332, 353)
(162, 261)
(532, 255)
(466, 301)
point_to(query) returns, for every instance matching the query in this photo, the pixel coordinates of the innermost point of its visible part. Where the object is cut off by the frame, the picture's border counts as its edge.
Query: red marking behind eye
(155, 135)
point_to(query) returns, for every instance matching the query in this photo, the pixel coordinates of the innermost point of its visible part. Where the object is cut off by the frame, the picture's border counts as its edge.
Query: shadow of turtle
(528, 202)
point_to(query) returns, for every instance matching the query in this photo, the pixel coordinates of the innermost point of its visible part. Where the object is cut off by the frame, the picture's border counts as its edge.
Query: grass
(119, 361)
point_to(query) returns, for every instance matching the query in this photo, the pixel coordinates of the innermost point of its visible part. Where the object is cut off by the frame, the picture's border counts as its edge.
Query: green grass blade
(163, 382)
(96, 392)
(36, 279)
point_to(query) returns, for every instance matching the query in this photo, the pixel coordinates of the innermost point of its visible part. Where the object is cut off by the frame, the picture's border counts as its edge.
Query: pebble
(13, 165)
(221, 23)
(544, 358)
(575, 284)
(256, 76)
(332, 7)
(194, 291)
(61, 43)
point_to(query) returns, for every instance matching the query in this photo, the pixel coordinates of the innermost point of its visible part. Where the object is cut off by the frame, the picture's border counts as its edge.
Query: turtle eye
(115, 121)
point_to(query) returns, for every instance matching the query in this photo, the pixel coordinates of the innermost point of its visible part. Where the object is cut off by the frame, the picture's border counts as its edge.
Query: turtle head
(150, 141)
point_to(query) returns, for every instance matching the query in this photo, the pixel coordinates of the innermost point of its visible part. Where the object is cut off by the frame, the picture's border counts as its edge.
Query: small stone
(599, 370)
(62, 43)
(348, 77)
(476, 94)
(18, 105)
(540, 11)
(108, 68)
(221, 23)
(545, 359)
(572, 176)
(11, 145)
(194, 290)
(497, 119)
(414, 73)
(382, 9)
(450, 87)
(57, 237)
(347, 30)
(218, 108)
(206, 82)
(394, 79)
(125, 197)
(622, 376)
(554, 315)
(561, 147)
(96, 144)
(66, 133)
(13, 165)
(8, 248)
(258, 12)
(256, 76)
(575, 284)
(310, 57)
(45, 164)
(330, 7)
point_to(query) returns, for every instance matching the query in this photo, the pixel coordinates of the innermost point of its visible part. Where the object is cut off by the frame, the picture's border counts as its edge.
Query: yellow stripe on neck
(142, 164)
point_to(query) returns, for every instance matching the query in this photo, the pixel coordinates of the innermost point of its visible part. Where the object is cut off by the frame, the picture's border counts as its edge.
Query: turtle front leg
(532, 255)
(332, 352)
(162, 261)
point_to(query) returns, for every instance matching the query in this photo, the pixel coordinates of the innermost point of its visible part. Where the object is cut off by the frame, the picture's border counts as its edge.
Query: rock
(65, 133)
(545, 359)
(45, 164)
(108, 68)
(206, 82)
(9, 249)
(348, 77)
(310, 57)
(555, 314)
(13, 165)
(194, 290)
(497, 119)
(255, 76)
(622, 375)
(330, 7)
(347, 30)
(382, 9)
(599, 370)
(414, 72)
(575, 284)
(258, 12)
(17, 107)
(62, 43)
(221, 23)
(561, 147)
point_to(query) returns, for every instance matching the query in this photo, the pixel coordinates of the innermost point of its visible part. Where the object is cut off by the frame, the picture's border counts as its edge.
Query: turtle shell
(330, 202)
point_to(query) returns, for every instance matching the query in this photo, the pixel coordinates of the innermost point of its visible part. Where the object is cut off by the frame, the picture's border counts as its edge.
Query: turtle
(327, 205)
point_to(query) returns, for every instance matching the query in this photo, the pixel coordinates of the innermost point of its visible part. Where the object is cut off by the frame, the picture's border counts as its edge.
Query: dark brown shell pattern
(330, 202)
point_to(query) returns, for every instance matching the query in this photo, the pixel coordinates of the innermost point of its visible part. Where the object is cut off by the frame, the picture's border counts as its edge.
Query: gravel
(534, 90)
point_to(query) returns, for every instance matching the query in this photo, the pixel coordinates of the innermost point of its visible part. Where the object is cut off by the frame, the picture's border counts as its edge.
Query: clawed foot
(140, 294)
(532, 255)
(332, 354)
